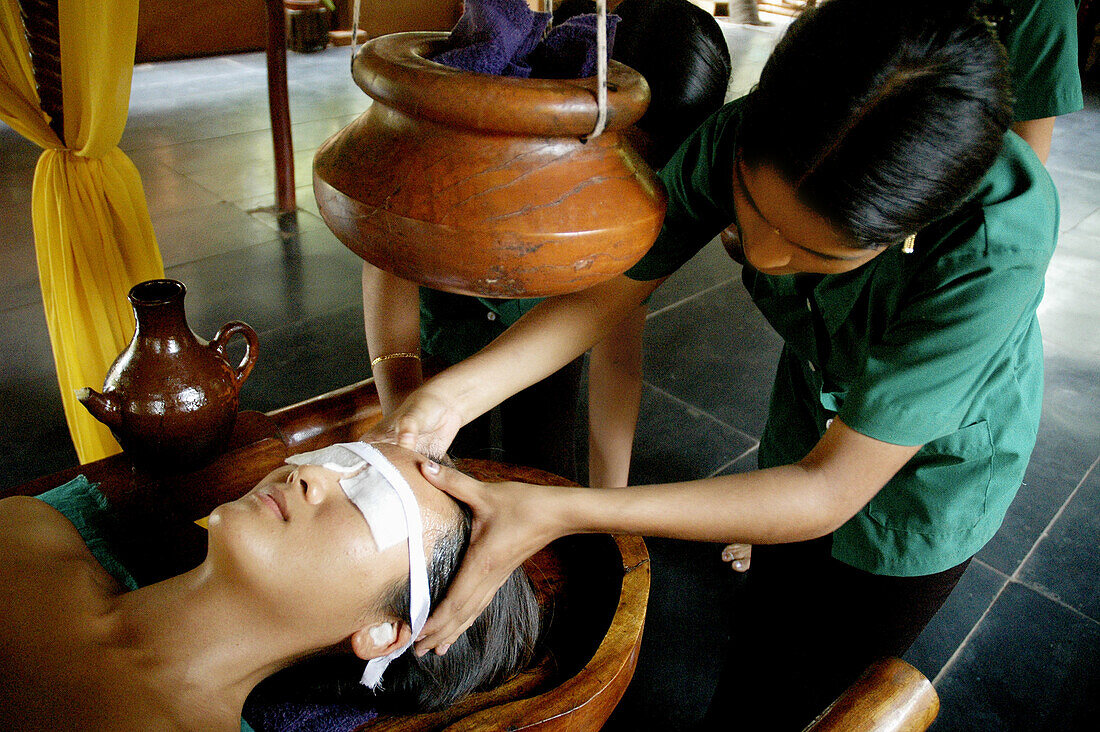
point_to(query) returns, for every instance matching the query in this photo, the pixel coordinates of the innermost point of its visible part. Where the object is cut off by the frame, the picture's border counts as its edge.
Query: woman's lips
(275, 502)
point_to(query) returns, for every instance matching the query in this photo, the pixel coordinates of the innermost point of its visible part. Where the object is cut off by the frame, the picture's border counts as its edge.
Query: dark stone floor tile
(958, 616)
(1066, 562)
(1032, 665)
(20, 155)
(158, 121)
(1081, 239)
(271, 285)
(710, 267)
(1068, 442)
(252, 148)
(675, 441)
(18, 261)
(186, 236)
(307, 358)
(244, 178)
(1076, 143)
(749, 47)
(717, 353)
(262, 206)
(685, 641)
(1078, 194)
(1067, 314)
(168, 192)
(35, 440)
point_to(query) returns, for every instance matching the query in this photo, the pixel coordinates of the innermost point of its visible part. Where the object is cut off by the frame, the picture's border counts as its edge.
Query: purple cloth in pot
(308, 717)
(569, 50)
(495, 37)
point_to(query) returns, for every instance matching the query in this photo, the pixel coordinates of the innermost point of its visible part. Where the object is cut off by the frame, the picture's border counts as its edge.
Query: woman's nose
(310, 481)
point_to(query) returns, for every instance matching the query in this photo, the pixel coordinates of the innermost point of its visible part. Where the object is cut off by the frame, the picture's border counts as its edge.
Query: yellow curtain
(92, 230)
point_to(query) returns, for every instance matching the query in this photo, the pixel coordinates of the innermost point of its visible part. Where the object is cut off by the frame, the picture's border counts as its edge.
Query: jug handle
(251, 349)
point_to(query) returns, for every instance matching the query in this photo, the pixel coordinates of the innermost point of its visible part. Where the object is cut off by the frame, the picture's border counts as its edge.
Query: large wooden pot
(485, 185)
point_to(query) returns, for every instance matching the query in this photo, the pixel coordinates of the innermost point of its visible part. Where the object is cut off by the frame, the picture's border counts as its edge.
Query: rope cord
(601, 68)
(354, 29)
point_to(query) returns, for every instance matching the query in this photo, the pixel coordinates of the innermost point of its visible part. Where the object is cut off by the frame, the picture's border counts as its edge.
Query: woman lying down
(348, 545)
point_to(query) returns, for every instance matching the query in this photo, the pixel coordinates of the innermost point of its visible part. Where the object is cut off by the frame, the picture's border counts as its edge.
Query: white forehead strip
(366, 486)
(419, 600)
(333, 457)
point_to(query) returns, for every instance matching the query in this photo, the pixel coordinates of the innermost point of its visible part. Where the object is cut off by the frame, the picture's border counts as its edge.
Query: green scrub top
(455, 327)
(1041, 40)
(939, 348)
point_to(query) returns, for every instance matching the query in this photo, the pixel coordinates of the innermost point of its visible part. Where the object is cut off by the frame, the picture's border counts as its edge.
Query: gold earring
(909, 245)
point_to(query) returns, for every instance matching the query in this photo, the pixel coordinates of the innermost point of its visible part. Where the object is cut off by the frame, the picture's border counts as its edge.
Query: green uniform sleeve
(1042, 53)
(964, 330)
(963, 325)
(699, 181)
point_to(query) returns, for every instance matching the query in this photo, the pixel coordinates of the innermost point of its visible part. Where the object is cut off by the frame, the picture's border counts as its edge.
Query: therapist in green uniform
(896, 235)
(1040, 37)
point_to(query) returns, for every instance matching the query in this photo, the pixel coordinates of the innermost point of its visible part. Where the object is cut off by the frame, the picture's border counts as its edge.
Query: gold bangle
(388, 356)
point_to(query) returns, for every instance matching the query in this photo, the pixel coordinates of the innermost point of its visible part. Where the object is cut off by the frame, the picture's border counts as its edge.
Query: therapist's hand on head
(426, 422)
(511, 521)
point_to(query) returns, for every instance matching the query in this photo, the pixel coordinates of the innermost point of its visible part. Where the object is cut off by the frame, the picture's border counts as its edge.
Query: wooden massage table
(593, 587)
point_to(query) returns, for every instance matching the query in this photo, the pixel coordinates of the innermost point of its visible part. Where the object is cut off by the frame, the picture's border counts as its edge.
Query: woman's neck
(200, 644)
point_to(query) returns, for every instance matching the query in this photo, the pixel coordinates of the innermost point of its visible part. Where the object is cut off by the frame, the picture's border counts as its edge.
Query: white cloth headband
(335, 457)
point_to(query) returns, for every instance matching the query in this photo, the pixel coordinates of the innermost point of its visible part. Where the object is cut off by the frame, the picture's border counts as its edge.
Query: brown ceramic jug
(488, 185)
(171, 398)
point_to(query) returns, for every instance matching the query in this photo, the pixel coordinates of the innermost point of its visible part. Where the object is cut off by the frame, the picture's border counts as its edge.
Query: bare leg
(614, 393)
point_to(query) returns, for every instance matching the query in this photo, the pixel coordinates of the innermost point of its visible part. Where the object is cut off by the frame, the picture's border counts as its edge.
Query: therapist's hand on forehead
(511, 521)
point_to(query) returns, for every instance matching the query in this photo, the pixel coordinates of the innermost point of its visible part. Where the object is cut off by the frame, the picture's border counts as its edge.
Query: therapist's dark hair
(498, 644)
(680, 50)
(884, 115)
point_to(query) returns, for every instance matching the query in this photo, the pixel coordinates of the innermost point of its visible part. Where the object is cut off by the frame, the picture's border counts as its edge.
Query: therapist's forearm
(808, 499)
(554, 333)
(770, 506)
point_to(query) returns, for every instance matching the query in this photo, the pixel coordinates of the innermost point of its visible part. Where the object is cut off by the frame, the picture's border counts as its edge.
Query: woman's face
(305, 552)
(780, 235)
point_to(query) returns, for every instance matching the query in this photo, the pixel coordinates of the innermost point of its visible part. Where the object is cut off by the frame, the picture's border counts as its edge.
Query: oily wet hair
(499, 643)
(884, 116)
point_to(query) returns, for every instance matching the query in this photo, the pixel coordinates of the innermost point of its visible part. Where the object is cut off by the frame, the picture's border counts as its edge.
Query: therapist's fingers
(738, 555)
(407, 431)
(454, 483)
(511, 521)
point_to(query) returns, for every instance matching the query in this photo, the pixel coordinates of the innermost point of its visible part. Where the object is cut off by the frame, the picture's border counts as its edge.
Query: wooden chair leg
(279, 104)
(891, 696)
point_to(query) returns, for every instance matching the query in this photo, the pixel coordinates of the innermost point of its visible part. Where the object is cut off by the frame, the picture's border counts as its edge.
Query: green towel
(81, 502)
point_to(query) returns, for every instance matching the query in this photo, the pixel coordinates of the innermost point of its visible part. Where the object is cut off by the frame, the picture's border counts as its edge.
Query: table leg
(279, 104)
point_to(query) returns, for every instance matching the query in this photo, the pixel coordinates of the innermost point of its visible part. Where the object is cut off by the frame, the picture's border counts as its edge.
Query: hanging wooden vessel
(485, 185)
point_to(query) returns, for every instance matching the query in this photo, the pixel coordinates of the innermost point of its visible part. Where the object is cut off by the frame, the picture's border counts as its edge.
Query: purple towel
(569, 50)
(306, 717)
(495, 37)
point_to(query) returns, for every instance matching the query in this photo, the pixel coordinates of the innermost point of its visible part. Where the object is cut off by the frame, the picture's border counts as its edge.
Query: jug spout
(104, 407)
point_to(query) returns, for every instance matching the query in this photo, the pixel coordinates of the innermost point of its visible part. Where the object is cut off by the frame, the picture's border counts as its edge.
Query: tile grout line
(702, 411)
(1044, 593)
(958, 651)
(1057, 515)
(680, 302)
(1014, 578)
(731, 462)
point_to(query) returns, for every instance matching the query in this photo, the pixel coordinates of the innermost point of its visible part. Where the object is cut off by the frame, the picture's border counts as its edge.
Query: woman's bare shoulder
(33, 533)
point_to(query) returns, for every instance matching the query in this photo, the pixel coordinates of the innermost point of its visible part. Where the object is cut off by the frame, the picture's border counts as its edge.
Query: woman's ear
(380, 639)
